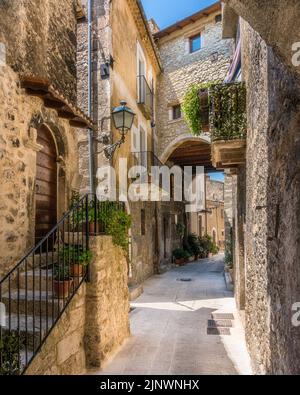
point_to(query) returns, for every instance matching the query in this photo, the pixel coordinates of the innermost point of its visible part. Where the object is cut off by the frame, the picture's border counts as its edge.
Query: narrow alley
(169, 326)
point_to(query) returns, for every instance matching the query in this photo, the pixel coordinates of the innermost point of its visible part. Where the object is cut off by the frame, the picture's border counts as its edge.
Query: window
(218, 18)
(195, 43)
(176, 112)
(143, 222)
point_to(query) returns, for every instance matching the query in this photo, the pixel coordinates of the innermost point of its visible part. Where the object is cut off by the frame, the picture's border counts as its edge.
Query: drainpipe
(90, 131)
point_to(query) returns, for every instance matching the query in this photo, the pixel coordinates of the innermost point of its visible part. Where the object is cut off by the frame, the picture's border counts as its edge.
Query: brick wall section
(182, 69)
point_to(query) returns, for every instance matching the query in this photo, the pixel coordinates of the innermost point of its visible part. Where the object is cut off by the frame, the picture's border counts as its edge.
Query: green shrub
(118, 227)
(76, 255)
(179, 253)
(194, 243)
(191, 107)
(10, 345)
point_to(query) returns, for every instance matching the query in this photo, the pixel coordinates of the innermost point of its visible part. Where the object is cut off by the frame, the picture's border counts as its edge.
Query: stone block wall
(182, 69)
(20, 118)
(95, 323)
(40, 39)
(273, 201)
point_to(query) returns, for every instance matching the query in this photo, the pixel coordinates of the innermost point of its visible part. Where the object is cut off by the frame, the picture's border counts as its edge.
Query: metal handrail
(39, 288)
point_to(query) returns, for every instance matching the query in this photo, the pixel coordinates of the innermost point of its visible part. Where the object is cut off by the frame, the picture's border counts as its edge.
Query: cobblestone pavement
(169, 327)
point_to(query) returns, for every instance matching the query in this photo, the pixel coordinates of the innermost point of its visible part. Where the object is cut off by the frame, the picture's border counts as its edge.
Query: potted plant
(195, 245)
(81, 261)
(62, 281)
(179, 256)
(78, 259)
(186, 256)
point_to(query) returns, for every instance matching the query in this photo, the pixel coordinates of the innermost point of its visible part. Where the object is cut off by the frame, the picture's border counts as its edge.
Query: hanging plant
(192, 107)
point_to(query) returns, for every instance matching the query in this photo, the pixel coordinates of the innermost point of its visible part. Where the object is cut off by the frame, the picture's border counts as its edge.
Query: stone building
(39, 173)
(212, 221)
(192, 51)
(34, 194)
(126, 64)
(265, 189)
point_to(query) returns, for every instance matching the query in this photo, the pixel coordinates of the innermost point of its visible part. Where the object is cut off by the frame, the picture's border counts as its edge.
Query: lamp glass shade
(123, 117)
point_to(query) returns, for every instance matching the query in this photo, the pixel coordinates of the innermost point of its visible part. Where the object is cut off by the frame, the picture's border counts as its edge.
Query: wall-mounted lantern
(123, 118)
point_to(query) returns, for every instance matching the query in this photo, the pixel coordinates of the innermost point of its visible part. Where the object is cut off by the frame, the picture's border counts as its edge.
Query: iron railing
(228, 118)
(38, 290)
(145, 96)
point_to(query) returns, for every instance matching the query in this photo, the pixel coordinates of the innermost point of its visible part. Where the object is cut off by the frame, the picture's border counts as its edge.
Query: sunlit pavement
(169, 327)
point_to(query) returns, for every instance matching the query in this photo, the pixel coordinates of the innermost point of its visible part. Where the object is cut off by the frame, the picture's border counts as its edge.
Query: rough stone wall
(95, 323)
(272, 233)
(107, 301)
(64, 352)
(143, 247)
(214, 190)
(20, 118)
(40, 39)
(228, 206)
(182, 69)
(238, 233)
(101, 88)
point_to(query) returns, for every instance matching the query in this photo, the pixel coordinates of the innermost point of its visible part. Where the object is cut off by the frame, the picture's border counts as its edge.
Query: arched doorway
(46, 184)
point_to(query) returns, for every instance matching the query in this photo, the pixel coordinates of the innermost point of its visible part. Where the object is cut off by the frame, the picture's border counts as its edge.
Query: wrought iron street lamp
(123, 118)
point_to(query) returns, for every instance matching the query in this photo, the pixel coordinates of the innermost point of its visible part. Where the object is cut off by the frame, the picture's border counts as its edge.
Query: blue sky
(217, 176)
(167, 12)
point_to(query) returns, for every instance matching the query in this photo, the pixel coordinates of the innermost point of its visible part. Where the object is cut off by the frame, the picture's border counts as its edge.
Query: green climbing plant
(226, 106)
(192, 108)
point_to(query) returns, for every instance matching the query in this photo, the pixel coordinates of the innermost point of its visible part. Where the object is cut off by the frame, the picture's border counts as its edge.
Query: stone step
(37, 279)
(43, 260)
(74, 239)
(31, 332)
(37, 302)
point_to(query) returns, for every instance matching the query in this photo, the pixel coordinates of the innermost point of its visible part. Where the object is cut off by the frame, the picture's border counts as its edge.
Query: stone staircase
(31, 305)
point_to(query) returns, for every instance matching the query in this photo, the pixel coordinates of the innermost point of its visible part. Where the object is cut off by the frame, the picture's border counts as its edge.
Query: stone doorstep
(219, 331)
(220, 324)
(222, 316)
(135, 292)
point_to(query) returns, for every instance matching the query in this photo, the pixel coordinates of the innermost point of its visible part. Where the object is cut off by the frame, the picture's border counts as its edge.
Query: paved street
(169, 326)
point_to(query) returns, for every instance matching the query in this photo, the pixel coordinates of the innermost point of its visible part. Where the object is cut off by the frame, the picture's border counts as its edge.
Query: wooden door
(46, 185)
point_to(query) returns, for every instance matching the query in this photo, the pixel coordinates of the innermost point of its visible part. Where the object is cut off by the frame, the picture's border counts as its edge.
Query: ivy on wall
(192, 108)
(225, 108)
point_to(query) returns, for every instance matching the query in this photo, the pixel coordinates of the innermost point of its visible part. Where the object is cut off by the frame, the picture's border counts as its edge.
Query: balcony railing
(145, 96)
(228, 119)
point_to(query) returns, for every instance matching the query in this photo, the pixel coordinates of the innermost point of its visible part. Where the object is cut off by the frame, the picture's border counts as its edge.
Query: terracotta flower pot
(62, 289)
(76, 270)
(96, 228)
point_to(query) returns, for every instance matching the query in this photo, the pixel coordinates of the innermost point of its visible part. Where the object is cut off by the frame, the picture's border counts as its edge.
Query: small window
(195, 43)
(176, 112)
(143, 222)
(218, 18)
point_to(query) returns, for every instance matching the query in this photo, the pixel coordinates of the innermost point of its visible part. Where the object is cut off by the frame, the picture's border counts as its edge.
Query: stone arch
(44, 119)
(180, 140)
